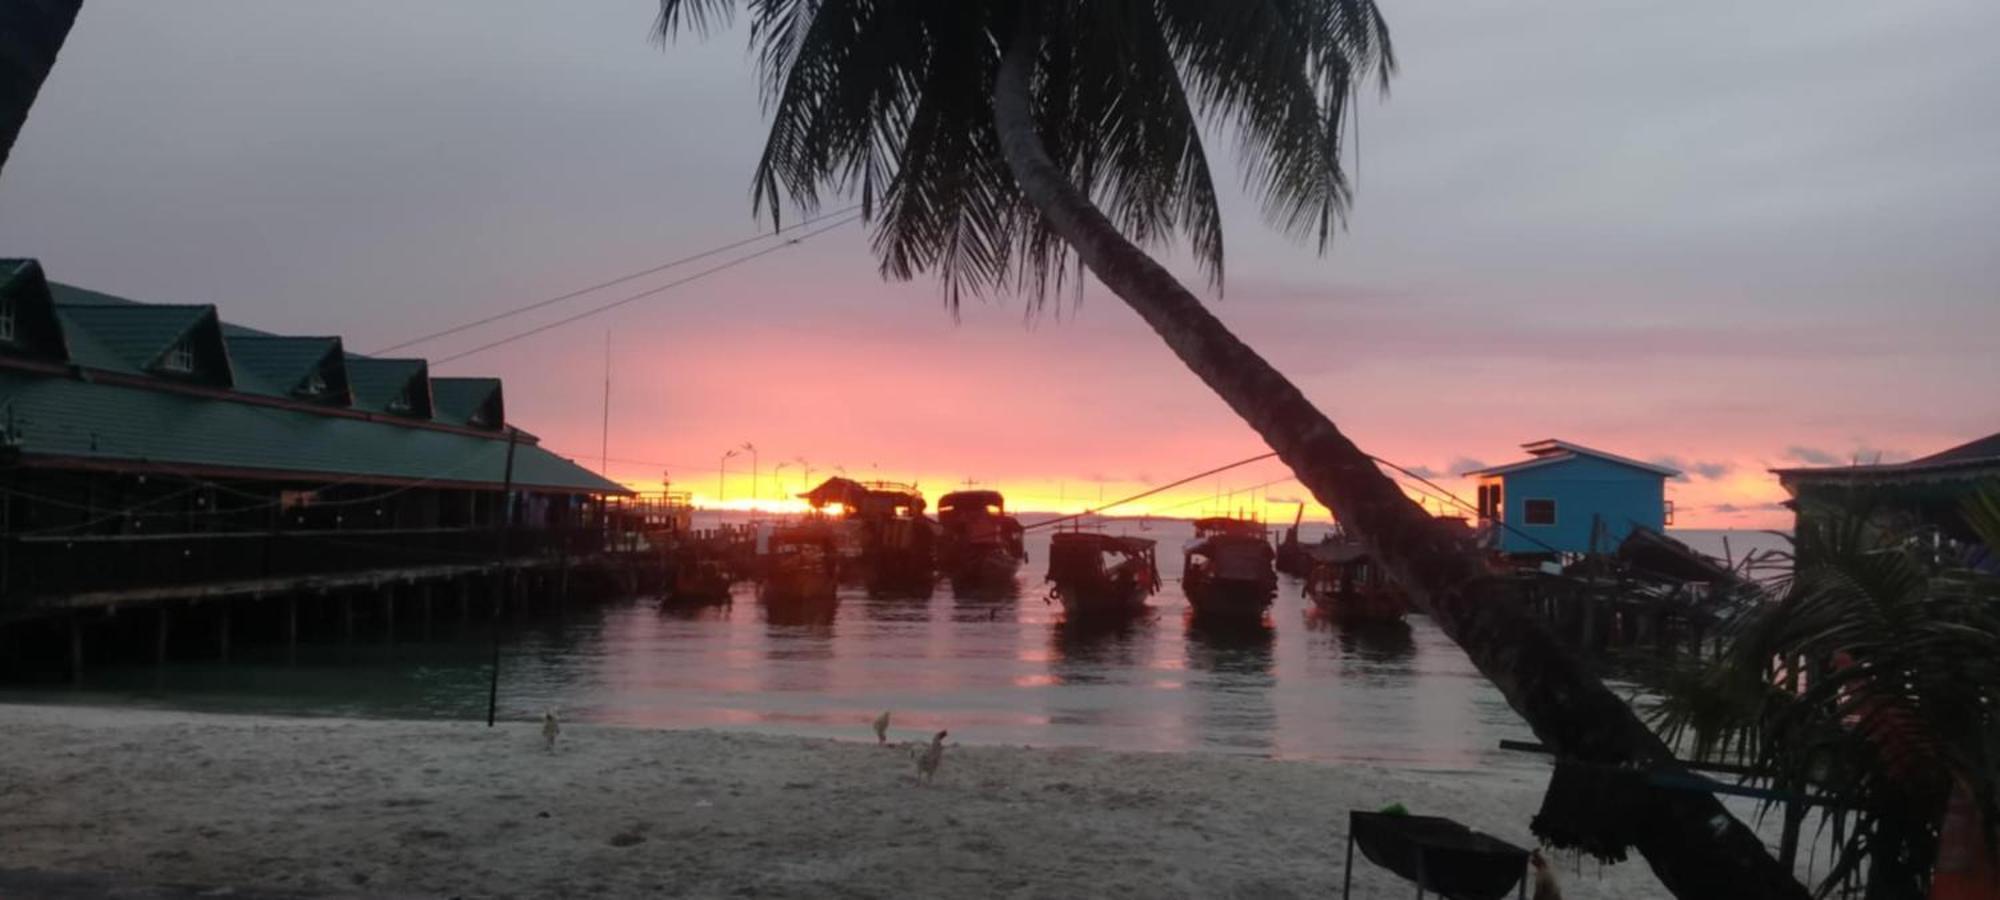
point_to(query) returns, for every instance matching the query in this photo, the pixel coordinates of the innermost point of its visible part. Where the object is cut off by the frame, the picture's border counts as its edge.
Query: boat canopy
(875, 498)
(971, 503)
(1225, 525)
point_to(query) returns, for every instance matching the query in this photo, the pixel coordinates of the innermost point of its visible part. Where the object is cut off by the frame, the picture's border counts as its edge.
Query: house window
(180, 357)
(1538, 512)
(6, 318)
(313, 386)
(1670, 513)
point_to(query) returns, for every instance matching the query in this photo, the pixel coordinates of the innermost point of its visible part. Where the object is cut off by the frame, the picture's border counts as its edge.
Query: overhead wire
(662, 267)
(647, 293)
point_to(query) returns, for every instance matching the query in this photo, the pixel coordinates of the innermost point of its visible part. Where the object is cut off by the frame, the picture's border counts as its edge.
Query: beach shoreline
(454, 809)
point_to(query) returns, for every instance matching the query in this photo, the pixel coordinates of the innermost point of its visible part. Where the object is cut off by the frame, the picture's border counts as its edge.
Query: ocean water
(994, 670)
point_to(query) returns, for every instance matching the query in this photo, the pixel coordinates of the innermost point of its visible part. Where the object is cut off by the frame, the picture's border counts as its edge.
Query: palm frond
(891, 100)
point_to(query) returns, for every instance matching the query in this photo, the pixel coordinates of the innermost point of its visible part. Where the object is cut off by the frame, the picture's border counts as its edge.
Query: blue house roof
(1550, 451)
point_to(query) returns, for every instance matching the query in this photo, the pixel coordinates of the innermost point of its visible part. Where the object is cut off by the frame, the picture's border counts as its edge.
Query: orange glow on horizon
(1266, 493)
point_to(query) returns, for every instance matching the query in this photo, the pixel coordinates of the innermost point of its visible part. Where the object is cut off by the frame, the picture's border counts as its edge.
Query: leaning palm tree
(31, 32)
(1003, 145)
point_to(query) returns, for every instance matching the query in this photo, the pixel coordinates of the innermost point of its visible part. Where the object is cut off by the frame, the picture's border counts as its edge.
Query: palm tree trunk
(31, 31)
(1694, 845)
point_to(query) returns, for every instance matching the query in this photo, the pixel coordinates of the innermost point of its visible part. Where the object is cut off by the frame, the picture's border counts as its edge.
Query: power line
(615, 281)
(1144, 494)
(646, 293)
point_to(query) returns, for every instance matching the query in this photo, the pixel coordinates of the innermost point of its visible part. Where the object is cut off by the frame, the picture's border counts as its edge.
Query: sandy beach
(441, 809)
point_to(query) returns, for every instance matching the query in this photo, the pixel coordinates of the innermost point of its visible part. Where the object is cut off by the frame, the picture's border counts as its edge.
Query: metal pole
(500, 555)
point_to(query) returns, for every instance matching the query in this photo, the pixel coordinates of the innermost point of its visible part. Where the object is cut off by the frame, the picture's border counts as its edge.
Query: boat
(1097, 575)
(887, 540)
(696, 579)
(979, 545)
(1227, 570)
(800, 565)
(1347, 585)
(1294, 557)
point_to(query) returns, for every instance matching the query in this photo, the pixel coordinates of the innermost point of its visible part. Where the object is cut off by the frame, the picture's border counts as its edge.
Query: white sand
(454, 809)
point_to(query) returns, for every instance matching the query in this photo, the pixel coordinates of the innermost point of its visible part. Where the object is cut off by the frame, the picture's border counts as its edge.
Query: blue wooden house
(1567, 498)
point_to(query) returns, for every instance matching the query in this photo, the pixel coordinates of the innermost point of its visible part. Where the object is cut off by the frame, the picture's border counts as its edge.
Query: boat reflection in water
(1230, 675)
(1390, 640)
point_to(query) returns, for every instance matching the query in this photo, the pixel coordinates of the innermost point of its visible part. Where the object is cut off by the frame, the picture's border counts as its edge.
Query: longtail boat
(1100, 575)
(979, 545)
(1227, 570)
(800, 565)
(887, 530)
(1347, 585)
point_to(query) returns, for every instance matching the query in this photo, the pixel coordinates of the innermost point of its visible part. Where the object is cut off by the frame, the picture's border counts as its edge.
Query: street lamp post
(806, 485)
(753, 469)
(721, 471)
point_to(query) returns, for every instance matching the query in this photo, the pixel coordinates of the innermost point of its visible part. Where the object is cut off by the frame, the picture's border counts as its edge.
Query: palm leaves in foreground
(1869, 683)
(892, 99)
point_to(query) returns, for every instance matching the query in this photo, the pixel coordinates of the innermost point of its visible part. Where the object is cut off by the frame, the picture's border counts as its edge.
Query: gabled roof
(1982, 453)
(378, 382)
(114, 404)
(1549, 451)
(1986, 449)
(38, 334)
(134, 335)
(282, 366)
(135, 338)
(473, 402)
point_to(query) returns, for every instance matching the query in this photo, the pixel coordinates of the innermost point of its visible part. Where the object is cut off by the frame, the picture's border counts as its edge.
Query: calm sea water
(995, 670)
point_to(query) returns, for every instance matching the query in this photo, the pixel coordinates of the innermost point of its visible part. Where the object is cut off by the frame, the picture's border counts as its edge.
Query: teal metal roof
(233, 422)
(458, 400)
(134, 335)
(279, 365)
(377, 381)
(67, 417)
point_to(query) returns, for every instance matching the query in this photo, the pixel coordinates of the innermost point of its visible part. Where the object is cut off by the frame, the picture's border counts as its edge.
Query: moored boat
(800, 566)
(887, 540)
(1347, 585)
(1227, 570)
(979, 545)
(1100, 575)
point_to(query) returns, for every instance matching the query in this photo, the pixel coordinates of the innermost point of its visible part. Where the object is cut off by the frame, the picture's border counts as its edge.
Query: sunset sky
(1718, 235)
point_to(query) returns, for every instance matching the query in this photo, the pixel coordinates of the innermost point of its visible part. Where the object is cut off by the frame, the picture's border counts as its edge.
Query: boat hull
(1222, 599)
(1362, 606)
(1100, 601)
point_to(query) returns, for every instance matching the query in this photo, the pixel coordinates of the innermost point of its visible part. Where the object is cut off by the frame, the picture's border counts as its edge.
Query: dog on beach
(1545, 878)
(550, 728)
(882, 728)
(927, 764)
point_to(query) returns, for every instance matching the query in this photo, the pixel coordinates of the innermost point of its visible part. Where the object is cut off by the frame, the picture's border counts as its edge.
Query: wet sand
(437, 809)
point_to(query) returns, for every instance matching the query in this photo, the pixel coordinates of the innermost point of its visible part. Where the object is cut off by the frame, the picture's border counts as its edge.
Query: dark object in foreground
(1436, 854)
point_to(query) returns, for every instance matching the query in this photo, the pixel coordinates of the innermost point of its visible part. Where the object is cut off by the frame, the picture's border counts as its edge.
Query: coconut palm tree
(1003, 145)
(31, 32)
(1869, 683)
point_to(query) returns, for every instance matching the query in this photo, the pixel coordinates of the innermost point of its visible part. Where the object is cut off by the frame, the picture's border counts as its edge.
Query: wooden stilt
(389, 612)
(424, 606)
(347, 617)
(222, 633)
(291, 628)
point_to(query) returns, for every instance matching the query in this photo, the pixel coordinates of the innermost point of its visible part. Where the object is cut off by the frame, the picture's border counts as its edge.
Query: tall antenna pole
(604, 437)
